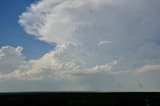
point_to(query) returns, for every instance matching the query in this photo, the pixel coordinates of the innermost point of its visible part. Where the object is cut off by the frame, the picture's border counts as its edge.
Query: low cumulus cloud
(10, 58)
(101, 45)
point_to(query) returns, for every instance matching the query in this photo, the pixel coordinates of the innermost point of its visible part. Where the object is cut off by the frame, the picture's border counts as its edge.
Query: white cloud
(50, 74)
(129, 25)
(104, 42)
(10, 58)
(129, 28)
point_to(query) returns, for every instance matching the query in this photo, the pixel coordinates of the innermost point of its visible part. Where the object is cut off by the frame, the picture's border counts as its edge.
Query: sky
(80, 45)
(11, 33)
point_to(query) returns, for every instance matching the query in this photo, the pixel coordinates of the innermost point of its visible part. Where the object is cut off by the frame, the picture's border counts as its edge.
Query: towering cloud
(127, 26)
(108, 39)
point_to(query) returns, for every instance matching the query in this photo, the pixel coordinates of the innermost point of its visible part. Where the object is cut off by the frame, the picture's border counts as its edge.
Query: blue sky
(101, 45)
(10, 11)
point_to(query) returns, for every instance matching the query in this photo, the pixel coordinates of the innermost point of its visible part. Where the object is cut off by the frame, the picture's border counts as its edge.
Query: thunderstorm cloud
(104, 45)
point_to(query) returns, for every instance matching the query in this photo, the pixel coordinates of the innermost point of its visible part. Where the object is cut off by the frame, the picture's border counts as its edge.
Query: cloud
(10, 58)
(104, 42)
(101, 45)
(50, 74)
(129, 25)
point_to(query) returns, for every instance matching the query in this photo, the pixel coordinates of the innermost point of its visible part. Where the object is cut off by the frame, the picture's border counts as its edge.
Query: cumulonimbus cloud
(126, 26)
(113, 37)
